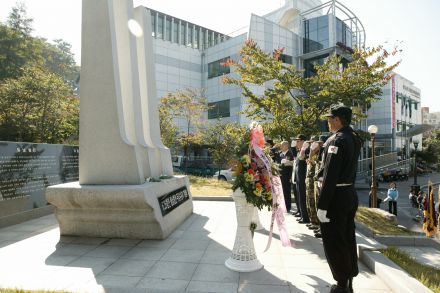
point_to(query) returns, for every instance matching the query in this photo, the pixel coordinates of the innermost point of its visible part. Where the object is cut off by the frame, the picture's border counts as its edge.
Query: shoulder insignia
(332, 149)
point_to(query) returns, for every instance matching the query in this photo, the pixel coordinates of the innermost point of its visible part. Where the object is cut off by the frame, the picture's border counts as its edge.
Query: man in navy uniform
(338, 200)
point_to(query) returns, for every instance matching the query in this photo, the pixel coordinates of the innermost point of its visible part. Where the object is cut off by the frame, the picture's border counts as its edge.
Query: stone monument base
(147, 211)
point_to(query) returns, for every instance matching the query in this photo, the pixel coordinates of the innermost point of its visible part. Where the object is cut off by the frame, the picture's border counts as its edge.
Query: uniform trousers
(338, 235)
(287, 191)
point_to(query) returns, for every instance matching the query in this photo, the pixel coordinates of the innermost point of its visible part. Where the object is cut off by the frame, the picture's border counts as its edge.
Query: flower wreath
(253, 172)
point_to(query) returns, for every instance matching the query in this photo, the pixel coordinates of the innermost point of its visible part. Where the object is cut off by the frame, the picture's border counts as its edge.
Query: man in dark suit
(285, 158)
(338, 200)
(300, 178)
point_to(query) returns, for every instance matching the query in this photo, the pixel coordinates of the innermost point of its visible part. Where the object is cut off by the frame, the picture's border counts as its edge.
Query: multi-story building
(398, 115)
(189, 55)
(429, 118)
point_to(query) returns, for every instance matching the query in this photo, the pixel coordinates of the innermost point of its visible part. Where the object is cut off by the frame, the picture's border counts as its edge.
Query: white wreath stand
(243, 258)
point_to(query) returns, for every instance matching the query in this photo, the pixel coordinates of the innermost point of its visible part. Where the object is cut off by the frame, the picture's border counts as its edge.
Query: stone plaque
(172, 200)
(26, 169)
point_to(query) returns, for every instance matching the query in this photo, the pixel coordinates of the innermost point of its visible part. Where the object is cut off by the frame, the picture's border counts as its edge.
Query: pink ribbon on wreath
(278, 205)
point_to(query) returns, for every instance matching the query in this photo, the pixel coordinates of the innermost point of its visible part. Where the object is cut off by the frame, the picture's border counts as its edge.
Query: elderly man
(338, 200)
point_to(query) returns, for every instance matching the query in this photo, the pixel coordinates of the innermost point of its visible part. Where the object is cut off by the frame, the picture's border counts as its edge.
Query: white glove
(283, 161)
(322, 216)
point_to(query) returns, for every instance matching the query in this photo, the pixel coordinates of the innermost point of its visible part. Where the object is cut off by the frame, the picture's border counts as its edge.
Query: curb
(394, 276)
(213, 198)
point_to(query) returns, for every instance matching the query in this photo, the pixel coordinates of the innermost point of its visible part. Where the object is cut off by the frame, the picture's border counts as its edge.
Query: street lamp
(415, 187)
(372, 129)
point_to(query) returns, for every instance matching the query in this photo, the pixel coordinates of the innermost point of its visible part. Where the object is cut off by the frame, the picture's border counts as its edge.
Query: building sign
(412, 91)
(172, 200)
(393, 102)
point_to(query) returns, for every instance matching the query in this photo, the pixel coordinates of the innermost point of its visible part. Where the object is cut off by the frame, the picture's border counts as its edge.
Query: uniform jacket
(339, 164)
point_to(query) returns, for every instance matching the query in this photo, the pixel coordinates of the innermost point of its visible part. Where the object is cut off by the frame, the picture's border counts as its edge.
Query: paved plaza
(33, 256)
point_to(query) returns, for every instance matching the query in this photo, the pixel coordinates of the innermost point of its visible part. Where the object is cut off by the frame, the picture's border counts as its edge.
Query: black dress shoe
(303, 222)
(318, 235)
(298, 215)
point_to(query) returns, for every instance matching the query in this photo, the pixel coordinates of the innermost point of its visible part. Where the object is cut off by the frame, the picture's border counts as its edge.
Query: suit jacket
(286, 170)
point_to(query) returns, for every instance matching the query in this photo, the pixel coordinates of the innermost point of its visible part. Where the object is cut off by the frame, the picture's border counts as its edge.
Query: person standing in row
(310, 186)
(338, 201)
(286, 163)
(300, 177)
(316, 180)
(392, 196)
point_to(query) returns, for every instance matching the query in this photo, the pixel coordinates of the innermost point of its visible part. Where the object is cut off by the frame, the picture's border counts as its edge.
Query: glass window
(202, 38)
(218, 68)
(196, 38)
(175, 31)
(323, 21)
(168, 29)
(348, 37)
(323, 34)
(182, 33)
(189, 42)
(313, 35)
(219, 109)
(153, 23)
(313, 24)
(209, 39)
(160, 26)
(286, 58)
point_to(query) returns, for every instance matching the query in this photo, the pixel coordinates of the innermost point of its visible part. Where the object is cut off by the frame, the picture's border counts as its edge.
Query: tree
(18, 20)
(38, 107)
(168, 128)
(224, 141)
(431, 149)
(19, 49)
(291, 103)
(187, 105)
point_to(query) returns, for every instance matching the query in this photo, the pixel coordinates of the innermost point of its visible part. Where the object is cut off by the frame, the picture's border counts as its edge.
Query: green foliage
(225, 141)
(187, 105)
(291, 103)
(38, 107)
(37, 82)
(431, 148)
(168, 128)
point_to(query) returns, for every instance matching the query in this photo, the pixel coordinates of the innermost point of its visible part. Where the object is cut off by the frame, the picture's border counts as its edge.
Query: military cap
(300, 137)
(313, 138)
(340, 111)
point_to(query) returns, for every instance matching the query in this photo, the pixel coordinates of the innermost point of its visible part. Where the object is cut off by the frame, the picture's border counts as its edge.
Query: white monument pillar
(120, 144)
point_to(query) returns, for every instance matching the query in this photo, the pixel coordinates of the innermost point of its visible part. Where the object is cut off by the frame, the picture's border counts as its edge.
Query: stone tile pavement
(34, 256)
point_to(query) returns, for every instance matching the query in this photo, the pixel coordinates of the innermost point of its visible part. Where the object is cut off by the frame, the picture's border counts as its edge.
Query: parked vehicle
(225, 175)
(393, 175)
(195, 166)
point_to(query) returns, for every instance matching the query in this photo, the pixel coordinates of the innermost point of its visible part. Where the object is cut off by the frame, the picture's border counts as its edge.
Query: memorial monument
(120, 144)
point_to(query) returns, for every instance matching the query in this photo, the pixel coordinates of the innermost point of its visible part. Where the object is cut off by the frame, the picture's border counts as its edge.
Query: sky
(414, 25)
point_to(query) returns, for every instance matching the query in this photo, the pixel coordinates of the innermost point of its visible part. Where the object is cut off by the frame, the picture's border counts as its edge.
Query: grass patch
(378, 224)
(208, 186)
(427, 275)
